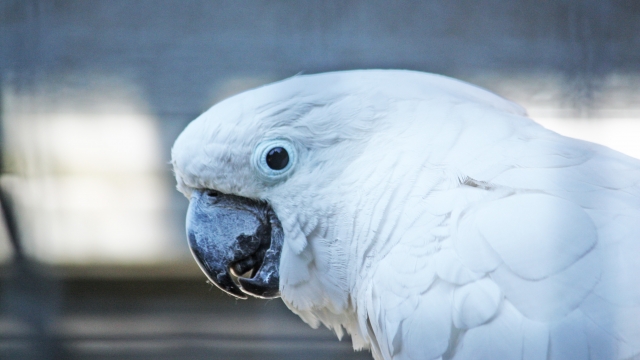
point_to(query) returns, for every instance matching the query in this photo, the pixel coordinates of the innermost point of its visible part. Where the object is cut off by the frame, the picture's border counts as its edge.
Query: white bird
(428, 218)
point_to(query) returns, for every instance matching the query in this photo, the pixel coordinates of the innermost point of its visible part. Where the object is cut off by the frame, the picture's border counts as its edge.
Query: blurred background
(94, 92)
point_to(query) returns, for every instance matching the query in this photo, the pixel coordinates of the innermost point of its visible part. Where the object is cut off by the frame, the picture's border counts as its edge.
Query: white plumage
(432, 219)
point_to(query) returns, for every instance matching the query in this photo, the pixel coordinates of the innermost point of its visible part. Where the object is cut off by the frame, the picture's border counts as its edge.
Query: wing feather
(538, 257)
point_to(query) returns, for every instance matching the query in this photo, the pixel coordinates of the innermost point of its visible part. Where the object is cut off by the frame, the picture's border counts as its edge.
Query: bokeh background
(94, 92)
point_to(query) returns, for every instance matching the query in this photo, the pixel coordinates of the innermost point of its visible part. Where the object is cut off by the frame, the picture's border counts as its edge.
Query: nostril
(212, 193)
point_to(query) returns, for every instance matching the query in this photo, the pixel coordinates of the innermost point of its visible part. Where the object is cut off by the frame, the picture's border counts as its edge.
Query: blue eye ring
(265, 149)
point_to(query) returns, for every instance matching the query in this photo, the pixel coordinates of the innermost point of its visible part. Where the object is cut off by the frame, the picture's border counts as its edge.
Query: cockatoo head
(262, 156)
(285, 162)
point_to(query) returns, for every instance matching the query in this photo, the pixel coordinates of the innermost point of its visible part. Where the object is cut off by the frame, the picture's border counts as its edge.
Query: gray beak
(230, 234)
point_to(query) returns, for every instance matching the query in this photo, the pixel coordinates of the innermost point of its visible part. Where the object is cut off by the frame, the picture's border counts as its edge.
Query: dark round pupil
(277, 158)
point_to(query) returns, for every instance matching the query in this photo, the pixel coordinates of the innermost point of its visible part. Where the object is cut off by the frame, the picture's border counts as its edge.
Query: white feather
(451, 269)
(475, 303)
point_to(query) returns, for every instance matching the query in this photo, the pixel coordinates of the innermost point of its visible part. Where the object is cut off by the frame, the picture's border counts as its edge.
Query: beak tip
(218, 276)
(227, 285)
(256, 288)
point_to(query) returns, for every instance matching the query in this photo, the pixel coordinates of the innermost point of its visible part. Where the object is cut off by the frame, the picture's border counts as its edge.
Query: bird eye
(277, 158)
(274, 158)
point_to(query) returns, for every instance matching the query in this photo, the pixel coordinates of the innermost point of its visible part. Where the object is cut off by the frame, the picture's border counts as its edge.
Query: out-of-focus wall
(94, 92)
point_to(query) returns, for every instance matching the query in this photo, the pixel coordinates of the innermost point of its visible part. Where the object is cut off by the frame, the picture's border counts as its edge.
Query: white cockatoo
(428, 218)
